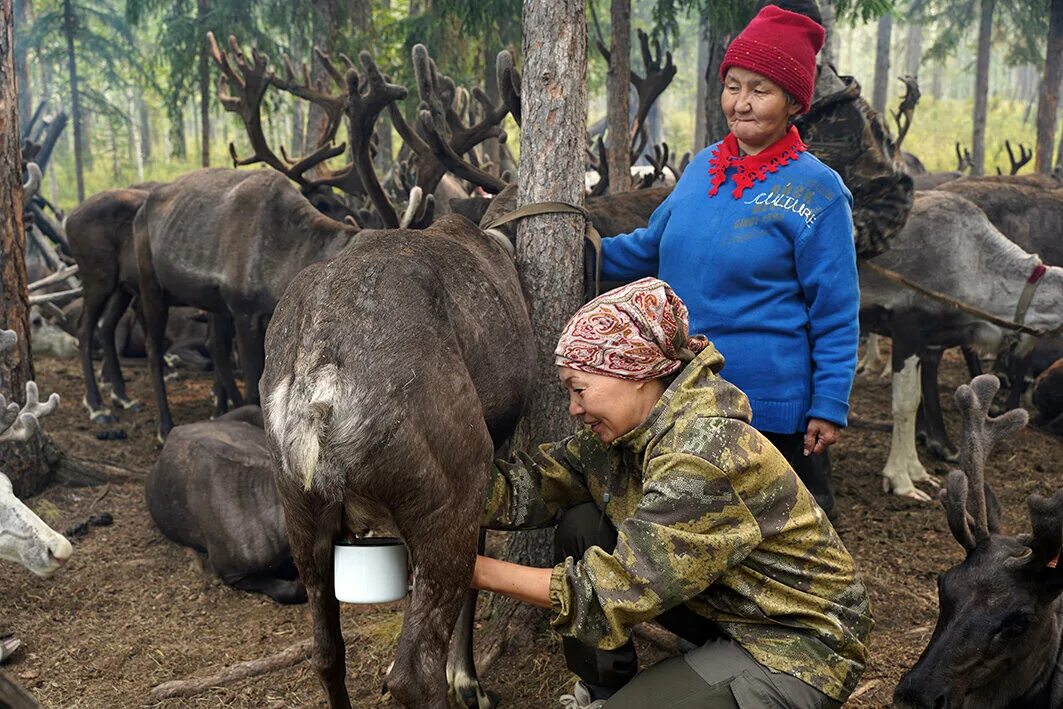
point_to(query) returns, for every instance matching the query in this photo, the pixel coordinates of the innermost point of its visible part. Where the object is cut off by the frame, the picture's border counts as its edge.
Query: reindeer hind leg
(463, 683)
(313, 525)
(441, 533)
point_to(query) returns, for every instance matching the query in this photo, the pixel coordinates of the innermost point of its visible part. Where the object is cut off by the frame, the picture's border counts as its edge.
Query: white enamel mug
(370, 570)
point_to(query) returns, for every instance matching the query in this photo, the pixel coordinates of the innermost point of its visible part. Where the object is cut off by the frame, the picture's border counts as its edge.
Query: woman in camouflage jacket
(671, 507)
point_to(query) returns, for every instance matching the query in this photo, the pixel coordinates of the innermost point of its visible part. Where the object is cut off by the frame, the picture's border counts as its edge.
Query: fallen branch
(81, 472)
(292, 655)
(13, 696)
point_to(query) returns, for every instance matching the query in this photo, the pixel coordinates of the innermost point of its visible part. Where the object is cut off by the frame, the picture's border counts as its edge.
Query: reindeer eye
(1014, 625)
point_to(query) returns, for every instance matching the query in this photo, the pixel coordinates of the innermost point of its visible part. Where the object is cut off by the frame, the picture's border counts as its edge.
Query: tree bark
(202, 10)
(75, 97)
(492, 149)
(702, 94)
(549, 247)
(325, 24)
(882, 63)
(914, 49)
(23, 14)
(830, 43)
(17, 368)
(1048, 102)
(981, 86)
(27, 464)
(618, 88)
(145, 129)
(715, 122)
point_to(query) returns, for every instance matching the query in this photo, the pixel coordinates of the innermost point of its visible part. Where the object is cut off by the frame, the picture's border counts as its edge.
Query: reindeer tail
(300, 415)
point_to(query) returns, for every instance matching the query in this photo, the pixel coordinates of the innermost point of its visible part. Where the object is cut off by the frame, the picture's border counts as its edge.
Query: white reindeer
(24, 537)
(950, 246)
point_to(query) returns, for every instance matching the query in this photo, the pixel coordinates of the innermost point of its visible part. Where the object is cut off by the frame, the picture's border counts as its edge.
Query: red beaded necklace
(752, 168)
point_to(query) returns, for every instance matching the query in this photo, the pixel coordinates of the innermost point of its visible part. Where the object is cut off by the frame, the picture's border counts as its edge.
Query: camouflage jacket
(709, 514)
(843, 131)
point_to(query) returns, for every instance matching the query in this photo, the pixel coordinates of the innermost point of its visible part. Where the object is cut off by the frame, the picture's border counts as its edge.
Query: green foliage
(939, 124)
(1019, 28)
(103, 45)
(732, 15)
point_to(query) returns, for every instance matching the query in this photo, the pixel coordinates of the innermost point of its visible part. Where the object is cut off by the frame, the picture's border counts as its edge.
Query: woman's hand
(525, 583)
(820, 435)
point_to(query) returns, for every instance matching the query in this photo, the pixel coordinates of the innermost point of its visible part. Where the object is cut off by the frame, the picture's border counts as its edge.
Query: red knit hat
(782, 46)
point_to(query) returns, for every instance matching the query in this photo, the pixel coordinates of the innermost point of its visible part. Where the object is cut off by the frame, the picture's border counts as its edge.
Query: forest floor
(131, 610)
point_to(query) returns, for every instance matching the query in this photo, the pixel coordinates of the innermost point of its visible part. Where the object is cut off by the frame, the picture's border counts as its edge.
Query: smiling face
(756, 108)
(610, 406)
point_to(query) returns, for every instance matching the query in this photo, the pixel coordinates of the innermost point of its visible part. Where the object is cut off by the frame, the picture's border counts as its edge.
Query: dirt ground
(131, 609)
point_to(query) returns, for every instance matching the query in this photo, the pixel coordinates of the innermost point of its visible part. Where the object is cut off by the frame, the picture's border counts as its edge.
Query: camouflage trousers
(716, 674)
(814, 470)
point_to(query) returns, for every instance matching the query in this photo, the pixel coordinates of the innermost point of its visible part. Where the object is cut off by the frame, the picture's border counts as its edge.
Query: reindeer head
(997, 635)
(24, 538)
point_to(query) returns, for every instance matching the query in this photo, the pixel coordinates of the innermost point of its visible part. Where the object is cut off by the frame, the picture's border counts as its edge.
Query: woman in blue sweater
(757, 239)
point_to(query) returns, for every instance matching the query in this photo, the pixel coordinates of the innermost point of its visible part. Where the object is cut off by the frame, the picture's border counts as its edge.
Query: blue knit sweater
(770, 277)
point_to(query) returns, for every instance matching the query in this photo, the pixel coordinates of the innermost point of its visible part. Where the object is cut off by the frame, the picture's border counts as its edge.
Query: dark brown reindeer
(100, 232)
(394, 371)
(996, 643)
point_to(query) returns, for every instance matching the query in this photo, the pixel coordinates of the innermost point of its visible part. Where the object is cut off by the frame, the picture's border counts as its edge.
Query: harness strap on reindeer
(590, 234)
(1022, 306)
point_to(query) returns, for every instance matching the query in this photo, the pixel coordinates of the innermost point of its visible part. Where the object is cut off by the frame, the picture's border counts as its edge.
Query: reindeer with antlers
(997, 642)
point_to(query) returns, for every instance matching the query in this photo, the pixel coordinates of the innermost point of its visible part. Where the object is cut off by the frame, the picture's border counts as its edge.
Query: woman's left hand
(819, 435)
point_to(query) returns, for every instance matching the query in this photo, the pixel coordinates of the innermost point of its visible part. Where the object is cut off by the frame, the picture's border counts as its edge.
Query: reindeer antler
(1025, 154)
(22, 424)
(441, 135)
(965, 494)
(906, 108)
(964, 161)
(650, 87)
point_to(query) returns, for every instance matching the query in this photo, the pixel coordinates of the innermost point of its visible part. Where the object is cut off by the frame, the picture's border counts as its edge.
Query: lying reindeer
(212, 489)
(997, 642)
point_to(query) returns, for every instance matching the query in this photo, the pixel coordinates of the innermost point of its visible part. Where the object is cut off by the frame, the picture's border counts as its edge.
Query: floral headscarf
(639, 331)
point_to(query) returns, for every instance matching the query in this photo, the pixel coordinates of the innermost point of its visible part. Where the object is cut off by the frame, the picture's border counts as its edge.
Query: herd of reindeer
(362, 302)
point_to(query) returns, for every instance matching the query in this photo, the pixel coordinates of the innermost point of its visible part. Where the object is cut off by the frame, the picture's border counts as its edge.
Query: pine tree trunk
(549, 247)
(23, 13)
(26, 464)
(882, 63)
(702, 94)
(715, 122)
(202, 10)
(618, 88)
(1048, 103)
(492, 149)
(981, 86)
(136, 134)
(830, 44)
(914, 49)
(176, 115)
(145, 128)
(75, 97)
(326, 17)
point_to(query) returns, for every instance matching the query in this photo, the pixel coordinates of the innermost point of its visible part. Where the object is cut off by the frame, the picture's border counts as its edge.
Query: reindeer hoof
(916, 494)
(127, 404)
(466, 692)
(102, 417)
(942, 451)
